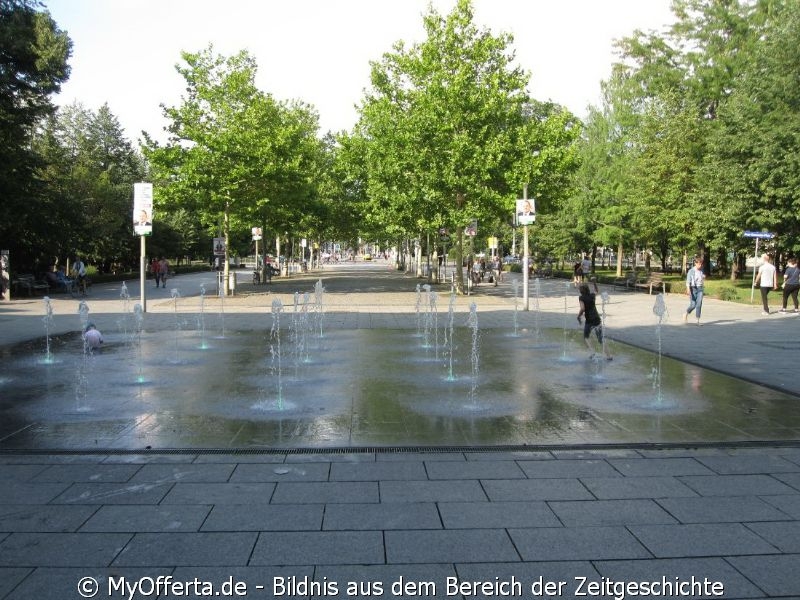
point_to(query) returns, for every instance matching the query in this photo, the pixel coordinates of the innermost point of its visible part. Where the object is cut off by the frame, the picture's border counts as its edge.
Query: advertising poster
(526, 211)
(143, 208)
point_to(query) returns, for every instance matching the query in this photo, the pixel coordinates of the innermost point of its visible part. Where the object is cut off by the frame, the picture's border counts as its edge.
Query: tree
(446, 125)
(234, 153)
(33, 65)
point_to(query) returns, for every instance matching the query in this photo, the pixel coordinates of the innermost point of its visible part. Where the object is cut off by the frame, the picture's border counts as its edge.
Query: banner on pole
(143, 208)
(526, 211)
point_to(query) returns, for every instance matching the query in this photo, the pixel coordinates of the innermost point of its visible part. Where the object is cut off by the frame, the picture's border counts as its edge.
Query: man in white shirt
(767, 279)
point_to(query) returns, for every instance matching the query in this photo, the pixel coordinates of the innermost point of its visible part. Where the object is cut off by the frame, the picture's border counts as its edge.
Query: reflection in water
(368, 387)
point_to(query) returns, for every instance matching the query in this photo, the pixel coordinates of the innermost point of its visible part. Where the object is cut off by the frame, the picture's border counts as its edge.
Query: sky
(319, 51)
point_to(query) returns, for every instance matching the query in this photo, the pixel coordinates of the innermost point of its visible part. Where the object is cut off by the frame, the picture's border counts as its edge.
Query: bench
(30, 285)
(627, 283)
(653, 280)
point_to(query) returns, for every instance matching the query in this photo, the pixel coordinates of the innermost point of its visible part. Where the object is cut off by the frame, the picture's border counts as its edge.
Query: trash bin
(232, 282)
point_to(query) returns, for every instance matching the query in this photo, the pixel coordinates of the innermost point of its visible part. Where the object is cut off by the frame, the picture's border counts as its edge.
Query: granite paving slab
(510, 490)
(402, 582)
(319, 548)
(497, 515)
(146, 518)
(610, 512)
(30, 549)
(326, 492)
(617, 488)
(577, 543)
(456, 546)
(184, 473)
(716, 509)
(186, 549)
(432, 491)
(737, 485)
(385, 516)
(264, 517)
(220, 493)
(775, 575)
(43, 518)
(703, 539)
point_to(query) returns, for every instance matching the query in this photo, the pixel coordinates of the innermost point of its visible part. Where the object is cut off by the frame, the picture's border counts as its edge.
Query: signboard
(219, 246)
(759, 235)
(493, 243)
(143, 208)
(256, 233)
(472, 229)
(526, 211)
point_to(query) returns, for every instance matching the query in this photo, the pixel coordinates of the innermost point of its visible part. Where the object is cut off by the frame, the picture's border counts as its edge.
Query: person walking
(587, 301)
(155, 270)
(695, 280)
(163, 271)
(766, 280)
(791, 283)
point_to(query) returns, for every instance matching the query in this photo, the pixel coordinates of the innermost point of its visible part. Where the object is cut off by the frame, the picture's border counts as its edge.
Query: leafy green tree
(33, 65)
(446, 125)
(235, 154)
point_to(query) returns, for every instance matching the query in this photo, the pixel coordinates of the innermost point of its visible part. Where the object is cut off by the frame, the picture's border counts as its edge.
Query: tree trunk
(226, 230)
(620, 250)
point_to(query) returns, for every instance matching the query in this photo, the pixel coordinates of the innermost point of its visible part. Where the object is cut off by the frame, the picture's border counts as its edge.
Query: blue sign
(762, 235)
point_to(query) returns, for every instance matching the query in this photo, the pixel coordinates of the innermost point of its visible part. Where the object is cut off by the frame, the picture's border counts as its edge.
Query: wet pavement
(540, 474)
(372, 362)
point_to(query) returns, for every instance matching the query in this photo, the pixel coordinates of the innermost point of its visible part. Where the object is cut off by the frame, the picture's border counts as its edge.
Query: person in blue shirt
(695, 280)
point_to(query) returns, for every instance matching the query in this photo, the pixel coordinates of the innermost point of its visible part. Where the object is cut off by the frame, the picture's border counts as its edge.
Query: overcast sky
(318, 51)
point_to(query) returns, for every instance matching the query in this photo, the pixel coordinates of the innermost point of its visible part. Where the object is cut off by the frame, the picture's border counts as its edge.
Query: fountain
(426, 320)
(433, 299)
(567, 289)
(201, 318)
(81, 373)
(537, 293)
(515, 287)
(417, 307)
(175, 296)
(318, 291)
(367, 389)
(125, 296)
(660, 310)
(48, 323)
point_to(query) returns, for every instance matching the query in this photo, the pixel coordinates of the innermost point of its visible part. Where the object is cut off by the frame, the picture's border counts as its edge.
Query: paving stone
(92, 472)
(325, 492)
(252, 577)
(596, 453)
(264, 517)
(59, 549)
(787, 504)
(16, 473)
(610, 512)
(195, 473)
(319, 548)
(10, 577)
(704, 539)
(496, 515)
(420, 456)
(510, 490)
(714, 569)
(112, 493)
(220, 493)
(282, 472)
(611, 488)
(659, 467)
(561, 574)
(509, 455)
(748, 464)
(239, 459)
(30, 493)
(58, 583)
(382, 471)
(792, 479)
(775, 575)
(449, 546)
(146, 459)
(736, 485)
(432, 491)
(24, 517)
(186, 549)
(783, 535)
(388, 576)
(485, 469)
(344, 457)
(577, 543)
(149, 518)
(398, 515)
(717, 509)
(567, 468)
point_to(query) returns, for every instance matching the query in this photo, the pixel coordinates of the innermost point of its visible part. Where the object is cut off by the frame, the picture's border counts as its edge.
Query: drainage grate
(400, 449)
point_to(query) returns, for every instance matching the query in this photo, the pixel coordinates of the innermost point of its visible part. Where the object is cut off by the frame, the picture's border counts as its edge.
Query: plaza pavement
(613, 515)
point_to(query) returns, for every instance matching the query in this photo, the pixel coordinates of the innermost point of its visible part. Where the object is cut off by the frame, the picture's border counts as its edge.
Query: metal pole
(142, 274)
(525, 257)
(755, 263)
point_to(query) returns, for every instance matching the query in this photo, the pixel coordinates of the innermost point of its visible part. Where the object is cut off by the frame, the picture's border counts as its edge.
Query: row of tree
(695, 141)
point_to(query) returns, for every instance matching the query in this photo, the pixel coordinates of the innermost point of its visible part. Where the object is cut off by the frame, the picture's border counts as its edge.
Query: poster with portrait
(219, 246)
(526, 211)
(143, 208)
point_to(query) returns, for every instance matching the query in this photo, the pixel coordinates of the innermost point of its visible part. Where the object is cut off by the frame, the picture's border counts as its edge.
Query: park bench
(30, 285)
(654, 280)
(627, 283)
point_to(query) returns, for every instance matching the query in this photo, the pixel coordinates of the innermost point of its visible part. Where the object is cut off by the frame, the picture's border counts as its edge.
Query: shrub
(728, 293)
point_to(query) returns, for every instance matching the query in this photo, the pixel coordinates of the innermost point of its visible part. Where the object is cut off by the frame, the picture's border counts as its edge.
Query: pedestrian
(587, 300)
(766, 280)
(163, 271)
(791, 283)
(79, 274)
(586, 268)
(154, 270)
(92, 338)
(695, 281)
